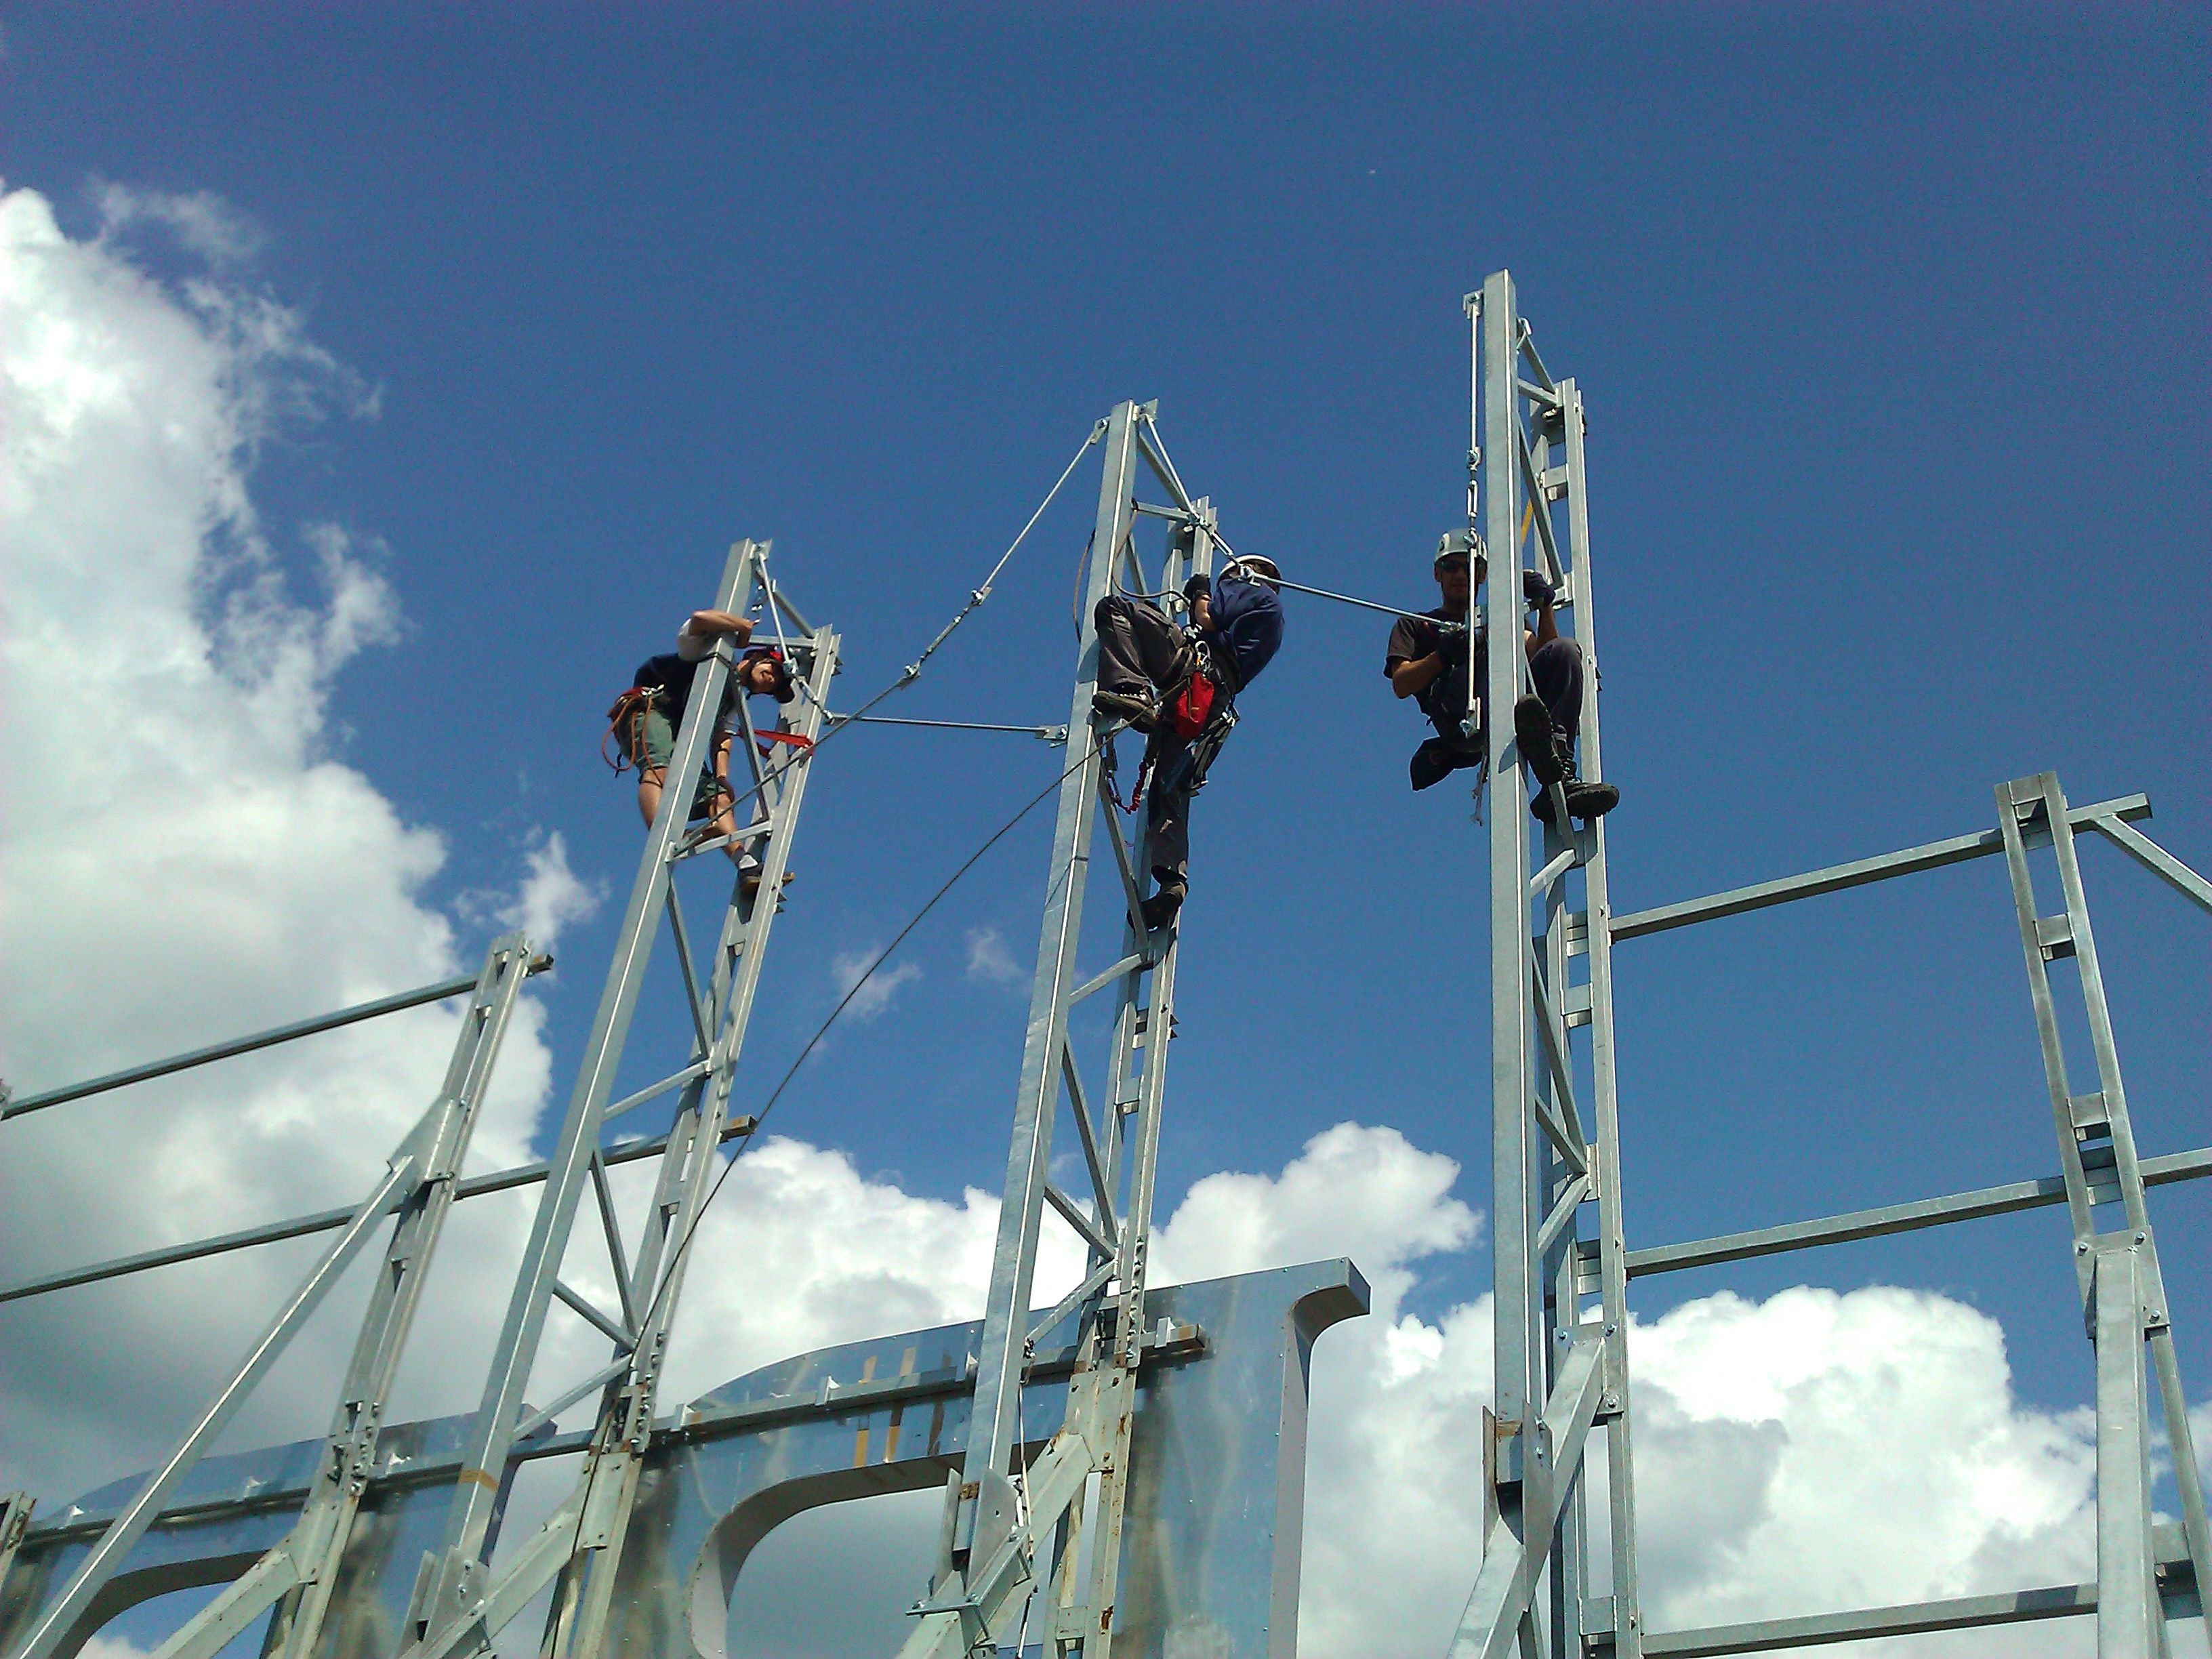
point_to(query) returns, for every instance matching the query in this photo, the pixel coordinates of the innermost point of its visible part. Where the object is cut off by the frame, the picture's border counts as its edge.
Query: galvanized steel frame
(1559, 1374)
(461, 1602)
(1559, 1371)
(417, 1183)
(998, 1517)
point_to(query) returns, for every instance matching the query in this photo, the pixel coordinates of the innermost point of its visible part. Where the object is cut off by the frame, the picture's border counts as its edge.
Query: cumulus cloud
(192, 855)
(990, 961)
(874, 994)
(851, 1257)
(551, 894)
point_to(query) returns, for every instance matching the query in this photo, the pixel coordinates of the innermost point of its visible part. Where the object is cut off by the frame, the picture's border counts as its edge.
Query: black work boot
(1547, 759)
(1160, 909)
(1584, 800)
(1133, 706)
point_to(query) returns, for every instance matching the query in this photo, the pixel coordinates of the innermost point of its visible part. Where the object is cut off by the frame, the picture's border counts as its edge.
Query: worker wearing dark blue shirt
(1180, 685)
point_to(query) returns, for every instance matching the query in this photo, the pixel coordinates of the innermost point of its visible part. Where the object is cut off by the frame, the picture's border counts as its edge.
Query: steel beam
(452, 1590)
(1526, 451)
(1518, 1339)
(607, 1486)
(2106, 1262)
(2152, 857)
(986, 1504)
(302, 1572)
(1612, 1229)
(1045, 1526)
(321, 1221)
(1913, 1619)
(1933, 855)
(1889, 1218)
(55, 1631)
(247, 1045)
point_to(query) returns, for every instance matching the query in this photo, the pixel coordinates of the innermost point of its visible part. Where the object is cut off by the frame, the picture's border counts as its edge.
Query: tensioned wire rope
(905, 677)
(745, 1139)
(912, 672)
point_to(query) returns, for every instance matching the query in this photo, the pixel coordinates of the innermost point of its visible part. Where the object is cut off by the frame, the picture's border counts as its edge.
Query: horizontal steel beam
(322, 1221)
(1837, 877)
(247, 1045)
(1049, 733)
(1914, 1618)
(1177, 1343)
(1895, 1218)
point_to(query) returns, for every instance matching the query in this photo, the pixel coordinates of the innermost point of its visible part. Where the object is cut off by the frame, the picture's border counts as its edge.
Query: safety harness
(1199, 710)
(631, 707)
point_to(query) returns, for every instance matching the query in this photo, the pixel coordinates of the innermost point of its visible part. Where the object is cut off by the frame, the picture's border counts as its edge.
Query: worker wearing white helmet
(1179, 684)
(1428, 661)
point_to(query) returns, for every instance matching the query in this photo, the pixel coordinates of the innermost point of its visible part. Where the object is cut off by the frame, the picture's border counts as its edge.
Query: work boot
(1160, 909)
(1584, 800)
(1133, 706)
(1548, 760)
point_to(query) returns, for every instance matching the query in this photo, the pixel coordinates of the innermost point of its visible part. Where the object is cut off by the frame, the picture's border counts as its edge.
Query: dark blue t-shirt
(1248, 627)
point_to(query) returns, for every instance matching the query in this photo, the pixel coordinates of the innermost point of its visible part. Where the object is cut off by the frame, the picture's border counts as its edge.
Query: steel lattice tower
(1562, 1362)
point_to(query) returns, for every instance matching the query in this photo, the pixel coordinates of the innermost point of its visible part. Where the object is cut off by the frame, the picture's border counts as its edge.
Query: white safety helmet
(1253, 567)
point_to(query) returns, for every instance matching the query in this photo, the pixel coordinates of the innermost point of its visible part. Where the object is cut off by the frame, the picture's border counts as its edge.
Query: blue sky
(1891, 322)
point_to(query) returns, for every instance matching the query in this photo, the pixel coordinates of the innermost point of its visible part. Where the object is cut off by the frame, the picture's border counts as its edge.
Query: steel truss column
(994, 1527)
(1557, 1373)
(459, 1604)
(1611, 1241)
(606, 1491)
(1103, 1401)
(418, 1182)
(2123, 1295)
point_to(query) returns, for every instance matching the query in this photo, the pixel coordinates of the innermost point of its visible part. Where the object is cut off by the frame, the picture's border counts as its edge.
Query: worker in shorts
(647, 717)
(1427, 660)
(1179, 685)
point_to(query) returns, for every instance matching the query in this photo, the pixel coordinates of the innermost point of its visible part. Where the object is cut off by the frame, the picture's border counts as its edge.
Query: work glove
(1198, 587)
(1534, 589)
(1451, 643)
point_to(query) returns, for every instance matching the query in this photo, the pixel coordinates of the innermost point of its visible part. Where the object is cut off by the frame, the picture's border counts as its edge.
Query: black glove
(1198, 587)
(1451, 643)
(1534, 589)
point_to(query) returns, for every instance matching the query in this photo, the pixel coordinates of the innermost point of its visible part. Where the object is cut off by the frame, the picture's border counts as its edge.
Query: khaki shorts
(650, 742)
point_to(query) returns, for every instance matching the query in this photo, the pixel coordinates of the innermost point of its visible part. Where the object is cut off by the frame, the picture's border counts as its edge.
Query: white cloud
(852, 1256)
(873, 995)
(204, 224)
(551, 894)
(990, 961)
(195, 859)
(1364, 1192)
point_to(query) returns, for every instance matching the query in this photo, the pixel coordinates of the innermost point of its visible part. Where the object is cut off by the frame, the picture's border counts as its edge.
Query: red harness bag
(1193, 707)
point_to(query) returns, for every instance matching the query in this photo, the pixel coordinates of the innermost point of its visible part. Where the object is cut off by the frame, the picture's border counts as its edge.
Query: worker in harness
(646, 718)
(1427, 660)
(1179, 685)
